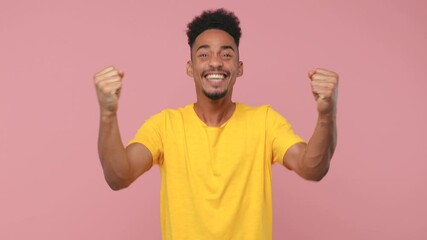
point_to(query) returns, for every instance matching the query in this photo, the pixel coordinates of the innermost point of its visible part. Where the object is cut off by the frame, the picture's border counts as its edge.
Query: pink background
(51, 182)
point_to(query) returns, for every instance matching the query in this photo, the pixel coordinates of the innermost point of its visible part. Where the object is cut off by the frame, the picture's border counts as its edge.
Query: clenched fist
(324, 85)
(108, 83)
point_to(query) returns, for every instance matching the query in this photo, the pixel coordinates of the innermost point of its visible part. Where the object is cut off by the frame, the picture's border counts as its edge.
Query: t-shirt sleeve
(281, 134)
(150, 135)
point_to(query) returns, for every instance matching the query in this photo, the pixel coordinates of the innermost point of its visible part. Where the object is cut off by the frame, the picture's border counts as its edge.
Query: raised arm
(121, 165)
(311, 161)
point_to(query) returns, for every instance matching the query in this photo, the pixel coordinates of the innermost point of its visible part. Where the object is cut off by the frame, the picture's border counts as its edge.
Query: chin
(215, 95)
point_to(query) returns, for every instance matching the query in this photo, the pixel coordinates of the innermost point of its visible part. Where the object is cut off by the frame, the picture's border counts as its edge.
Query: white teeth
(215, 76)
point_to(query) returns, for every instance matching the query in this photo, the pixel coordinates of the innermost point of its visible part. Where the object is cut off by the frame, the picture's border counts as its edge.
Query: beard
(215, 95)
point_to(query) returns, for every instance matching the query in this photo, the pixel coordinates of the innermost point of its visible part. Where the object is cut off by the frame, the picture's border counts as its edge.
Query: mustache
(216, 70)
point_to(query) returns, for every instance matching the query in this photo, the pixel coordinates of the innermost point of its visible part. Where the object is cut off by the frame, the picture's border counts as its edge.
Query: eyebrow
(222, 47)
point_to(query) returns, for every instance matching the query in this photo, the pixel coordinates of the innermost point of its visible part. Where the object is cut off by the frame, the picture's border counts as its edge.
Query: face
(214, 64)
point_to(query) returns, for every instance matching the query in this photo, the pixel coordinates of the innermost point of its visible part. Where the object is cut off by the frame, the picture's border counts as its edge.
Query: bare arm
(121, 165)
(311, 161)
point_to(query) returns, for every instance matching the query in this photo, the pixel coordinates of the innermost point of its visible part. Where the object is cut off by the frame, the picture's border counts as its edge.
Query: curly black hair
(214, 19)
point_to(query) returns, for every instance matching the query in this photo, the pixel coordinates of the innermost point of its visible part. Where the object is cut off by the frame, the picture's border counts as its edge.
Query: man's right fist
(108, 83)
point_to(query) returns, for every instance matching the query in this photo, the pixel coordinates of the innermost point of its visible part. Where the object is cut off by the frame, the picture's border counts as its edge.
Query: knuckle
(335, 76)
(96, 79)
(100, 84)
(106, 90)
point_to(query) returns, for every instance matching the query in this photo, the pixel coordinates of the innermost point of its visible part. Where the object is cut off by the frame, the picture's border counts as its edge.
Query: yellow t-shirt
(216, 181)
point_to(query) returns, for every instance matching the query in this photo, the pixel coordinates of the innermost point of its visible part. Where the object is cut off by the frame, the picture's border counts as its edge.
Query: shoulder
(172, 112)
(255, 115)
(265, 113)
(170, 116)
(262, 110)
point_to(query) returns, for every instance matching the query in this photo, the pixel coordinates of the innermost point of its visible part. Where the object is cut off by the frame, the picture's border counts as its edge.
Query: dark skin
(214, 66)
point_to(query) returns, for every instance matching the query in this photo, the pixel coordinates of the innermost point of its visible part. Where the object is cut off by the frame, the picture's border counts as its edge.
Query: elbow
(314, 178)
(116, 187)
(117, 180)
(315, 175)
(117, 184)
(317, 171)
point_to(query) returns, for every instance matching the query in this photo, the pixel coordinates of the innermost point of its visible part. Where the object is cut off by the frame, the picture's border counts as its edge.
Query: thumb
(311, 73)
(121, 73)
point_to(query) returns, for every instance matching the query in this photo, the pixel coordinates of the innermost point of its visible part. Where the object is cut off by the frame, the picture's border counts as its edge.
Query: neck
(214, 112)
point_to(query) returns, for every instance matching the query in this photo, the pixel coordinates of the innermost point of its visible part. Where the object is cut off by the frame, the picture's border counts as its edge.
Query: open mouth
(217, 76)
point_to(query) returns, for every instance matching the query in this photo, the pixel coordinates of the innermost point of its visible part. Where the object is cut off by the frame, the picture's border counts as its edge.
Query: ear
(240, 70)
(189, 69)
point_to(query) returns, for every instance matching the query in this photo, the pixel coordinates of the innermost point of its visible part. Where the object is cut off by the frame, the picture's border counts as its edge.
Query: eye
(203, 55)
(227, 55)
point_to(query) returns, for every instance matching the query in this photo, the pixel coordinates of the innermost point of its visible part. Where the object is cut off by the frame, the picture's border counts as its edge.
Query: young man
(215, 155)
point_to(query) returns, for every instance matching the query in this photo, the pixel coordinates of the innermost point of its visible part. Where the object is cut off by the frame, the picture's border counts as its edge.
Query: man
(215, 155)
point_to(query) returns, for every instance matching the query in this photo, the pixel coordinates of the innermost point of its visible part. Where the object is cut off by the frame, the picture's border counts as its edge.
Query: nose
(215, 61)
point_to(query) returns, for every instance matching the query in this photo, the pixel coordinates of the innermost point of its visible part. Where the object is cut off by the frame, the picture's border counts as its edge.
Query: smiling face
(214, 64)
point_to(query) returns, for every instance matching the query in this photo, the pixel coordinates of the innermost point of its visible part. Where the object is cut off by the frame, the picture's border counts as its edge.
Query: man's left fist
(324, 85)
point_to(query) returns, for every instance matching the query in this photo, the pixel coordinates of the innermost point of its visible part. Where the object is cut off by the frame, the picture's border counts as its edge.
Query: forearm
(320, 148)
(112, 153)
